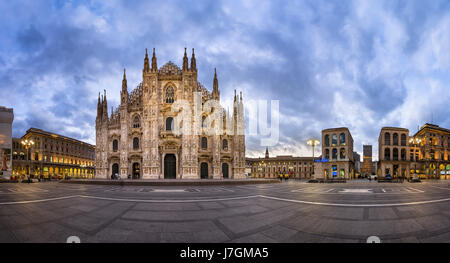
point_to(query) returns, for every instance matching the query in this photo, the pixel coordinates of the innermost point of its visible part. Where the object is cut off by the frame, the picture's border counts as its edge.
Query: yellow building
(52, 156)
(430, 152)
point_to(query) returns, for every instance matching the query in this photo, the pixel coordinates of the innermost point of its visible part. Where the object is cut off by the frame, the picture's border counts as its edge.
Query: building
(357, 159)
(272, 167)
(392, 152)
(337, 152)
(367, 168)
(142, 138)
(429, 152)
(6, 120)
(50, 155)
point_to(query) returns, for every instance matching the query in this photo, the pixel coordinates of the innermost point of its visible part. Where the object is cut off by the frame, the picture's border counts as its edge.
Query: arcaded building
(271, 167)
(162, 128)
(6, 120)
(50, 155)
(337, 155)
(393, 147)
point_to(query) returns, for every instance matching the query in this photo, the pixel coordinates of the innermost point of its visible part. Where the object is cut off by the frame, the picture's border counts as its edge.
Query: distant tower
(267, 152)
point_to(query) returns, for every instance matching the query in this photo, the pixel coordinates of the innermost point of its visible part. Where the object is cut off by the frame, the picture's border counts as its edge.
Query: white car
(373, 177)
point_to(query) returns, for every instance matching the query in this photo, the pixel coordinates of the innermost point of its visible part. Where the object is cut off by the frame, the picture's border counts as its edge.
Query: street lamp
(313, 142)
(415, 141)
(27, 144)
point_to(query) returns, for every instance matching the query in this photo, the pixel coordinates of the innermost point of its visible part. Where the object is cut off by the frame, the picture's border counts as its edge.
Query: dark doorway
(225, 170)
(115, 169)
(204, 171)
(170, 166)
(136, 171)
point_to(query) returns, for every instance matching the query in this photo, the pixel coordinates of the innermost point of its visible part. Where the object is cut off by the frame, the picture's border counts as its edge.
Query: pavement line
(382, 189)
(39, 201)
(355, 205)
(419, 191)
(168, 200)
(440, 187)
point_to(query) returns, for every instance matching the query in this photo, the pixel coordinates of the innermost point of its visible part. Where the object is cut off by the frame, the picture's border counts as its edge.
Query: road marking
(359, 191)
(39, 201)
(226, 199)
(169, 190)
(355, 205)
(414, 189)
(382, 189)
(440, 187)
(329, 190)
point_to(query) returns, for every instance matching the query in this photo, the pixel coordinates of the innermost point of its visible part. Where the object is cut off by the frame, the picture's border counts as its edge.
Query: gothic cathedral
(142, 138)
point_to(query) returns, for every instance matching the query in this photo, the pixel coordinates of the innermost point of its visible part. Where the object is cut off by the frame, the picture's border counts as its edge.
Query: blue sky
(359, 64)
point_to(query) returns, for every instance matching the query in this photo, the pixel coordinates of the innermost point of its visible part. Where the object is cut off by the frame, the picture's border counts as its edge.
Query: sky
(356, 64)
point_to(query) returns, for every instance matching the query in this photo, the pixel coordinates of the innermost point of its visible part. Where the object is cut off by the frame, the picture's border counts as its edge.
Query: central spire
(215, 92)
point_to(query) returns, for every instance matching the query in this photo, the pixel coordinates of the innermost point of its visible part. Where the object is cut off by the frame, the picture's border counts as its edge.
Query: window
(334, 140)
(342, 139)
(204, 122)
(327, 140)
(135, 143)
(403, 154)
(225, 145)
(136, 122)
(387, 139)
(169, 124)
(342, 153)
(169, 94)
(204, 142)
(395, 139)
(115, 145)
(387, 154)
(395, 154)
(334, 154)
(403, 139)
(327, 154)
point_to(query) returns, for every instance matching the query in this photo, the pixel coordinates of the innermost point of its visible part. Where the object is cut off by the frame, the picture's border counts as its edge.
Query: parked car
(373, 177)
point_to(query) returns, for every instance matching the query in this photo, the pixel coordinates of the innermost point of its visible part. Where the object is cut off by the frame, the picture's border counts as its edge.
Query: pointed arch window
(170, 94)
(225, 145)
(136, 122)
(204, 143)
(169, 124)
(136, 143)
(115, 145)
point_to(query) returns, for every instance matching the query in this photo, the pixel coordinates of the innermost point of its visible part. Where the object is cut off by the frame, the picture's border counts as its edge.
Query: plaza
(286, 212)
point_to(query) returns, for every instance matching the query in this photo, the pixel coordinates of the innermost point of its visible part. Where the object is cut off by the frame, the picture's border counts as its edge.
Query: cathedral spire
(124, 81)
(193, 62)
(215, 92)
(105, 107)
(146, 64)
(267, 152)
(185, 61)
(99, 107)
(154, 66)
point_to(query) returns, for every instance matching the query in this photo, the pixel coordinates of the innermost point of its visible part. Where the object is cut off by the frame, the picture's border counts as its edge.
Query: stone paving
(284, 212)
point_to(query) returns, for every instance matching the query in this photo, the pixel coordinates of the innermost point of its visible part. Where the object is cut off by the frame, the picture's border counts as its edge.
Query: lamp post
(313, 142)
(415, 141)
(27, 144)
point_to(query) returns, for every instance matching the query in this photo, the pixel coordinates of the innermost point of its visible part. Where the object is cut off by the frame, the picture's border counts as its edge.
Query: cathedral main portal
(170, 166)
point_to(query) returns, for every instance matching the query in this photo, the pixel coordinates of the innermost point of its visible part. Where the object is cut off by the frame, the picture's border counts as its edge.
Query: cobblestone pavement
(288, 212)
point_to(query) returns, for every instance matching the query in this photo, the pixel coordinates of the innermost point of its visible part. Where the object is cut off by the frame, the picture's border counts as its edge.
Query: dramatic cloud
(359, 64)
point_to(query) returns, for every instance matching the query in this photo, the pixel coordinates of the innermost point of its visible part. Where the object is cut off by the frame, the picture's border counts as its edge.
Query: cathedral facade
(170, 127)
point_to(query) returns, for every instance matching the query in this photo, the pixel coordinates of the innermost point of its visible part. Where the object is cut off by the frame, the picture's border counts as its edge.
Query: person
(281, 177)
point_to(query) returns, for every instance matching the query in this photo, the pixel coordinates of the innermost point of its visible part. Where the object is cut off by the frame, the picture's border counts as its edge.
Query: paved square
(288, 212)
